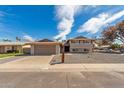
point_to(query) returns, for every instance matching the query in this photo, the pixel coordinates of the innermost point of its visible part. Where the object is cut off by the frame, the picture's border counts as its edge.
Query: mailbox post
(63, 54)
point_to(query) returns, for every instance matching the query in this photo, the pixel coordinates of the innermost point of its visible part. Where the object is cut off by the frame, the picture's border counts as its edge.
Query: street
(61, 79)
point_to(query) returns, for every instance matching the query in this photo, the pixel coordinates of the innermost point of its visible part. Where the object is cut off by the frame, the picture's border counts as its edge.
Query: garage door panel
(44, 50)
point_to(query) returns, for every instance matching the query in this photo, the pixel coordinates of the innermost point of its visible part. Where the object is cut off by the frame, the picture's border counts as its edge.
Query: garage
(45, 48)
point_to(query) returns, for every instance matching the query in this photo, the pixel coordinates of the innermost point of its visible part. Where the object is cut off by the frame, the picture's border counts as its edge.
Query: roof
(26, 46)
(11, 43)
(44, 43)
(122, 45)
(80, 37)
(45, 40)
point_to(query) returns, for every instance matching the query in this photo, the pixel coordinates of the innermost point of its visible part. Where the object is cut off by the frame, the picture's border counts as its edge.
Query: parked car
(108, 50)
(122, 50)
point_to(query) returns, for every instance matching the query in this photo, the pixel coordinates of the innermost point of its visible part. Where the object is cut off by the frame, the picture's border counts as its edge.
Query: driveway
(27, 63)
(89, 62)
(95, 58)
(62, 79)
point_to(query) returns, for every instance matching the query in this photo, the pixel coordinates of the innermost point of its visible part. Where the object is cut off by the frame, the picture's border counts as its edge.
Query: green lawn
(10, 55)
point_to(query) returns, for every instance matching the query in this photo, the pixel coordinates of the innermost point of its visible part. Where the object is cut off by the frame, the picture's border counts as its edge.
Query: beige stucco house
(7, 47)
(79, 45)
(26, 49)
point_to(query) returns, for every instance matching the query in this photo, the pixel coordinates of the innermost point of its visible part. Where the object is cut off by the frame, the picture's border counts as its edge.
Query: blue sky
(53, 22)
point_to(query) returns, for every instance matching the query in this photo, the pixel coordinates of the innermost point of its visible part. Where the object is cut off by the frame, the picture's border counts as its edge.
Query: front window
(86, 50)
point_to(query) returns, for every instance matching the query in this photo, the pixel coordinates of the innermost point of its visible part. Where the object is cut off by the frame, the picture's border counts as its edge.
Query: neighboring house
(97, 43)
(79, 45)
(122, 48)
(101, 44)
(45, 47)
(26, 49)
(7, 47)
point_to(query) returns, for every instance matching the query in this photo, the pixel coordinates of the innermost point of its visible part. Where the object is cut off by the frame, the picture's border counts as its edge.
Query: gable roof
(44, 43)
(45, 40)
(80, 37)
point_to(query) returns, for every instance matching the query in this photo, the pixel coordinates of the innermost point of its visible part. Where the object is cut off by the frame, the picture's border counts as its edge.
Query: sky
(33, 22)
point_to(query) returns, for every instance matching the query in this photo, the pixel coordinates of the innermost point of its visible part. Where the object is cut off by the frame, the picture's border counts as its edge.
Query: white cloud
(3, 14)
(65, 15)
(28, 38)
(115, 16)
(3, 26)
(95, 24)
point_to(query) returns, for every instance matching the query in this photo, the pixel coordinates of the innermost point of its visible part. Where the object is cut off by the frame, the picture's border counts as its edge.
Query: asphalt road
(61, 79)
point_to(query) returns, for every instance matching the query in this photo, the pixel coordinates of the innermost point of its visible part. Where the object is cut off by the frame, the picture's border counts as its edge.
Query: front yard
(9, 55)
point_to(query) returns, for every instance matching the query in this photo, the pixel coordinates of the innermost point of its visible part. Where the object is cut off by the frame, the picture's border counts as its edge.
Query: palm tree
(18, 39)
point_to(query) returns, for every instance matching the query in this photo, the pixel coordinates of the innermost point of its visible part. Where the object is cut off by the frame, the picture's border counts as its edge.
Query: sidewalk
(62, 68)
(87, 67)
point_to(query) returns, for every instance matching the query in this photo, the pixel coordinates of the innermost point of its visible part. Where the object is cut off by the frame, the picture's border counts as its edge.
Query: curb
(50, 61)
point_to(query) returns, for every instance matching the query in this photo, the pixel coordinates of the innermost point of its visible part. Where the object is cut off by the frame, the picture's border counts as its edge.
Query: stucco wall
(2, 50)
(81, 47)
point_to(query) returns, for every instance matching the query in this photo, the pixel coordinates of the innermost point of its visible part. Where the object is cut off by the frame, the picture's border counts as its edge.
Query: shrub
(115, 46)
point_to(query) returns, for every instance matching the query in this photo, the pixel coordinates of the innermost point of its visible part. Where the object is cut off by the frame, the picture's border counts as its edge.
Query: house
(45, 47)
(26, 49)
(122, 48)
(79, 44)
(8, 47)
(98, 43)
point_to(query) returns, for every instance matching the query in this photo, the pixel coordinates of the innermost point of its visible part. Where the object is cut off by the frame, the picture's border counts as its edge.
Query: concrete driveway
(89, 62)
(91, 58)
(27, 63)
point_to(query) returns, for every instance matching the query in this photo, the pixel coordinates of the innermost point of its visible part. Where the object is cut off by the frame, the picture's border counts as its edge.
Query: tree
(18, 39)
(120, 31)
(114, 32)
(6, 40)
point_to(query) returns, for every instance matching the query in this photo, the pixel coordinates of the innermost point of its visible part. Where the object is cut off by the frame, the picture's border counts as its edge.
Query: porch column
(32, 49)
(63, 55)
(57, 49)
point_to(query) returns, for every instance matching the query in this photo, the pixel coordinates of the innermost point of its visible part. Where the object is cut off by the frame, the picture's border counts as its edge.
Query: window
(73, 50)
(86, 50)
(74, 41)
